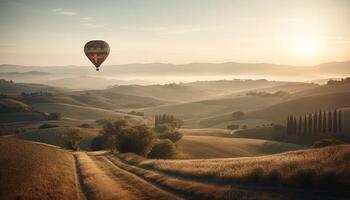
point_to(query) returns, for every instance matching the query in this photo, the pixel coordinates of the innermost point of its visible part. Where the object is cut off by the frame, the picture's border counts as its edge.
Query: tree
(300, 126)
(238, 115)
(324, 123)
(138, 139)
(73, 140)
(340, 122)
(172, 136)
(315, 124)
(335, 121)
(310, 124)
(319, 122)
(329, 124)
(163, 149)
(305, 126)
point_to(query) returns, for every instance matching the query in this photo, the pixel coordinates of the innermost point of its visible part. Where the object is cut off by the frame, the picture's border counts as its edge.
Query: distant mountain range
(331, 68)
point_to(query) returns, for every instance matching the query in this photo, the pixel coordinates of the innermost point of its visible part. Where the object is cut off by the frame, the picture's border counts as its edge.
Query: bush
(125, 138)
(85, 126)
(238, 115)
(54, 116)
(44, 126)
(172, 136)
(233, 127)
(98, 143)
(73, 140)
(138, 139)
(326, 142)
(164, 149)
(163, 128)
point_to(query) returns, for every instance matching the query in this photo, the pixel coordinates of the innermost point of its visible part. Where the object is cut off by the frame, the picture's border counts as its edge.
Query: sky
(295, 32)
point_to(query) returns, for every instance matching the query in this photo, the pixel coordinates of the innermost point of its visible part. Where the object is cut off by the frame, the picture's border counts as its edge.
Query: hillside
(300, 106)
(9, 87)
(204, 147)
(81, 112)
(325, 170)
(58, 136)
(31, 170)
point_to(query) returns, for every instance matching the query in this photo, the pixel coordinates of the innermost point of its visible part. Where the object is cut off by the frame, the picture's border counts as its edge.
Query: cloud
(93, 25)
(60, 11)
(87, 18)
(169, 30)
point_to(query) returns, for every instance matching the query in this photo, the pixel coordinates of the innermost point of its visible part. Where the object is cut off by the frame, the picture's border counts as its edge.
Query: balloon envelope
(97, 51)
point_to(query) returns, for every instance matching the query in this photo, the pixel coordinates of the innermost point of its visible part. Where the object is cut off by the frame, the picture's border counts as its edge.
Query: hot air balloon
(97, 51)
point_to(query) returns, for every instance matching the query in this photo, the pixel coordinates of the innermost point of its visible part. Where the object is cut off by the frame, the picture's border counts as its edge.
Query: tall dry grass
(325, 169)
(35, 171)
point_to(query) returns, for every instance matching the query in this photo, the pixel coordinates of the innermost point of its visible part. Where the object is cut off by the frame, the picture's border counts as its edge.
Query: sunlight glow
(305, 45)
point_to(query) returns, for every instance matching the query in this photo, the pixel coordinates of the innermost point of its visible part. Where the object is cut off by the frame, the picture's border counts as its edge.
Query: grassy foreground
(324, 169)
(35, 170)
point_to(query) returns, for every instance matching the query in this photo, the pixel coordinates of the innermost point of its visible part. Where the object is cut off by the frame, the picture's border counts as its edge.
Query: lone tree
(335, 121)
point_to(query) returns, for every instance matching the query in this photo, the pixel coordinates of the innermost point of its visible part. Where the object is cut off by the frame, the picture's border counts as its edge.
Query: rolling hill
(300, 106)
(204, 147)
(37, 171)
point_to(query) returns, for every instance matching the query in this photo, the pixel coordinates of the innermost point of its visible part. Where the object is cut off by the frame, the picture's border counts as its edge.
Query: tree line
(322, 122)
(167, 119)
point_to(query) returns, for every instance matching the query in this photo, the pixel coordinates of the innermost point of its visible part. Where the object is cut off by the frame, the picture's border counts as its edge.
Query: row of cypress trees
(163, 119)
(322, 122)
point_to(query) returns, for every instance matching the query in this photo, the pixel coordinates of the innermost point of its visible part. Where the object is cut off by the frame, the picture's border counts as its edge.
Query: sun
(305, 46)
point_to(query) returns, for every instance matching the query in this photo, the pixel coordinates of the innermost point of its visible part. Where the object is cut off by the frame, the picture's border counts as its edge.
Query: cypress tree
(309, 131)
(329, 125)
(335, 121)
(339, 122)
(305, 126)
(300, 126)
(324, 123)
(320, 122)
(295, 125)
(288, 125)
(156, 120)
(315, 124)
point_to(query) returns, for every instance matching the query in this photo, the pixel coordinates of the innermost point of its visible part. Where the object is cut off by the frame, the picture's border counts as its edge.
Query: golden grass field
(35, 171)
(219, 143)
(322, 169)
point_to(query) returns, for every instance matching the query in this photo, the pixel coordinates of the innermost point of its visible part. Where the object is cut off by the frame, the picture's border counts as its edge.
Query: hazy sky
(305, 32)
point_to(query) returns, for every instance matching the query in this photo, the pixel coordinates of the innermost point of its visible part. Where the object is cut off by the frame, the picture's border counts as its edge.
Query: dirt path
(132, 183)
(78, 179)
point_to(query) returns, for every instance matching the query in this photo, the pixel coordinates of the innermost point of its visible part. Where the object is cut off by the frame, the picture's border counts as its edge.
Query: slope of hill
(205, 147)
(9, 87)
(336, 87)
(81, 112)
(300, 106)
(33, 171)
(58, 136)
(326, 170)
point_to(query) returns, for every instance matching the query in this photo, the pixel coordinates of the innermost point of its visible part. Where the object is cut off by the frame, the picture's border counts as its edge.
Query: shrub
(163, 149)
(326, 142)
(125, 138)
(137, 139)
(73, 140)
(54, 116)
(85, 126)
(163, 128)
(238, 115)
(233, 126)
(44, 126)
(172, 136)
(98, 143)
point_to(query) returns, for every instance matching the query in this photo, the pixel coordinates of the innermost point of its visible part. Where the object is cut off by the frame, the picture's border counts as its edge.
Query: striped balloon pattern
(97, 51)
